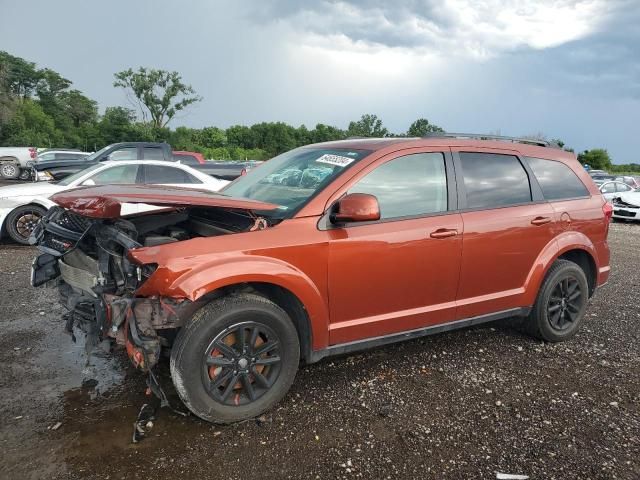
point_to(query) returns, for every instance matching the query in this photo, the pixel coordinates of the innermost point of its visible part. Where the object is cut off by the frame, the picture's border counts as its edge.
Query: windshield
(293, 178)
(71, 178)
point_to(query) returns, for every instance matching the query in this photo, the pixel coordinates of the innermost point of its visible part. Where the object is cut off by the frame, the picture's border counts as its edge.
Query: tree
(160, 93)
(78, 108)
(21, 76)
(421, 127)
(325, 133)
(598, 159)
(368, 126)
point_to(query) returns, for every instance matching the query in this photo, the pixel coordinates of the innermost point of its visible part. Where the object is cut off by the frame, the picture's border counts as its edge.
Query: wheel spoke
(226, 349)
(575, 295)
(260, 379)
(572, 308)
(229, 388)
(248, 387)
(268, 360)
(241, 340)
(253, 339)
(555, 319)
(221, 378)
(219, 362)
(554, 308)
(573, 286)
(267, 347)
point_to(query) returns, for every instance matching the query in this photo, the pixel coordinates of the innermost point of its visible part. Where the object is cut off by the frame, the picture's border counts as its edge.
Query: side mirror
(88, 181)
(356, 207)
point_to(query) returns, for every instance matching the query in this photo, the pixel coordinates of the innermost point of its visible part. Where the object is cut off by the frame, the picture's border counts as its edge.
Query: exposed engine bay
(87, 259)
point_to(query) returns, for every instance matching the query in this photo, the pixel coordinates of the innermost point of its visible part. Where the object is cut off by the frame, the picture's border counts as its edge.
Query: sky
(567, 69)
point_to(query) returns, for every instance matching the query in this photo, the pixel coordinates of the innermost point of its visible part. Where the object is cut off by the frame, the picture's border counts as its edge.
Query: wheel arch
(285, 285)
(572, 246)
(9, 159)
(282, 297)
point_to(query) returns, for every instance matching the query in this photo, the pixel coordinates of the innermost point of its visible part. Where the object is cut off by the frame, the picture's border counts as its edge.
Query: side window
(407, 186)
(127, 153)
(153, 153)
(186, 159)
(46, 156)
(157, 174)
(622, 187)
(608, 187)
(493, 180)
(118, 174)
(557, 180)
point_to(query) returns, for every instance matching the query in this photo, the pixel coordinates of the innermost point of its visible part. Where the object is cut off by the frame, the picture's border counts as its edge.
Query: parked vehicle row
(24, 204)
(324, 250)
(59, 169)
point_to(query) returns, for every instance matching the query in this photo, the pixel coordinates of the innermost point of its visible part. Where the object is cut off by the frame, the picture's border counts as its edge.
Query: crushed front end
(87, 260)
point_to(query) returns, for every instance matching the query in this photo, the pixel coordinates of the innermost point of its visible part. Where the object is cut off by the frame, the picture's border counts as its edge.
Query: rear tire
(21, 222)
(236, 358)
(561, 303)
(10, 171)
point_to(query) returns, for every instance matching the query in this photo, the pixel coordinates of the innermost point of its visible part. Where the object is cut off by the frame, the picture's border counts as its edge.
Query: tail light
(607, 209)
(33, 152)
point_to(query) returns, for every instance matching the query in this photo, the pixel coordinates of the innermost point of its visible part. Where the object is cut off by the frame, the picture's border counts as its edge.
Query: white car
(613, 189)
(627, 206)
(22, 206)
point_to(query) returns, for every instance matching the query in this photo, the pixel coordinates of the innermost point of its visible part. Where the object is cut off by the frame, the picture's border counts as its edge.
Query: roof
(375, 144)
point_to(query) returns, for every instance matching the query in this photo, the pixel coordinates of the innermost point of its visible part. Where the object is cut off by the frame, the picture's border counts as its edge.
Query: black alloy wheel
(561, 303)
(235, 358)
(241, 363)
(565, 303)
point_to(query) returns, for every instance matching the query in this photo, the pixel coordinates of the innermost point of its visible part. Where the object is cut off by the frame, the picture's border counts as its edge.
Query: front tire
(561, 303)
(21, 222)
(236, 358)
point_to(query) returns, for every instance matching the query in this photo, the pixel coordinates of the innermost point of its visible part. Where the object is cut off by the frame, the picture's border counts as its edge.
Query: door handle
(444, 233)
(540, 220)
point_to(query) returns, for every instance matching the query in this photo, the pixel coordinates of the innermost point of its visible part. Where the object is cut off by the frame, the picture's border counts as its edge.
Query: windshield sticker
(337, 160)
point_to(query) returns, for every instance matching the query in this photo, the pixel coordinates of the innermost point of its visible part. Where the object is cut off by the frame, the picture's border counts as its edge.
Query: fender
(222, 272)
(555, 248)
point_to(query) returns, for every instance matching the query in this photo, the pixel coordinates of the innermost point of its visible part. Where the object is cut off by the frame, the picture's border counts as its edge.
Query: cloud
(480, 29)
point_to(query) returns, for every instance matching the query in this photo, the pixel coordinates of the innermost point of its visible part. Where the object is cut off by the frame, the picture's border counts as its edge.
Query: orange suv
(327, 249)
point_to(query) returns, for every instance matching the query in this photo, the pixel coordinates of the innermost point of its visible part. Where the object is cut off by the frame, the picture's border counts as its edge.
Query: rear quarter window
(556, 179)
(494, 180)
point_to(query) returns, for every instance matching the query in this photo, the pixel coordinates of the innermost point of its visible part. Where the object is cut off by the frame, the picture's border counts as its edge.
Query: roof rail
(482, 136)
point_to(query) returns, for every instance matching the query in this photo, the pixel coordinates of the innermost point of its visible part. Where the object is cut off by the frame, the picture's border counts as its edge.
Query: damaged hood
(105, 201)
(632, 198)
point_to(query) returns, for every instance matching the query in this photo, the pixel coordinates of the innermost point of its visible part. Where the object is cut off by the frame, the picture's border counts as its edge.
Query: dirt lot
(460, 405)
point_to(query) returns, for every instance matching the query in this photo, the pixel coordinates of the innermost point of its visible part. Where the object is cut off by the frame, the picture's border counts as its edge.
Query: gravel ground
(464, 404)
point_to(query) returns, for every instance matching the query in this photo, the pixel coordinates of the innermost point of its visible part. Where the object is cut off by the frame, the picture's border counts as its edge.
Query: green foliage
(159, 93)
(598, 159)
(21, 76)
(368, 126)
(421, 127)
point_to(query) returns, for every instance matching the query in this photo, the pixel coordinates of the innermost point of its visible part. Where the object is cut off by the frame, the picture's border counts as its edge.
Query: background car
(626, 206)
(23, 205)
(14, 160)
(613, 189)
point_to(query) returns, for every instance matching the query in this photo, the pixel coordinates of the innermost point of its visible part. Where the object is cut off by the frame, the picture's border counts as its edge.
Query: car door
(166, 175)
(507, 224)
(118, 174)
(608, 190)
(401, 272)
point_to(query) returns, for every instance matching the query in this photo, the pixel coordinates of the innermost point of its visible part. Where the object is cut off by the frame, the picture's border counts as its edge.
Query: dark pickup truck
(59, 169)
